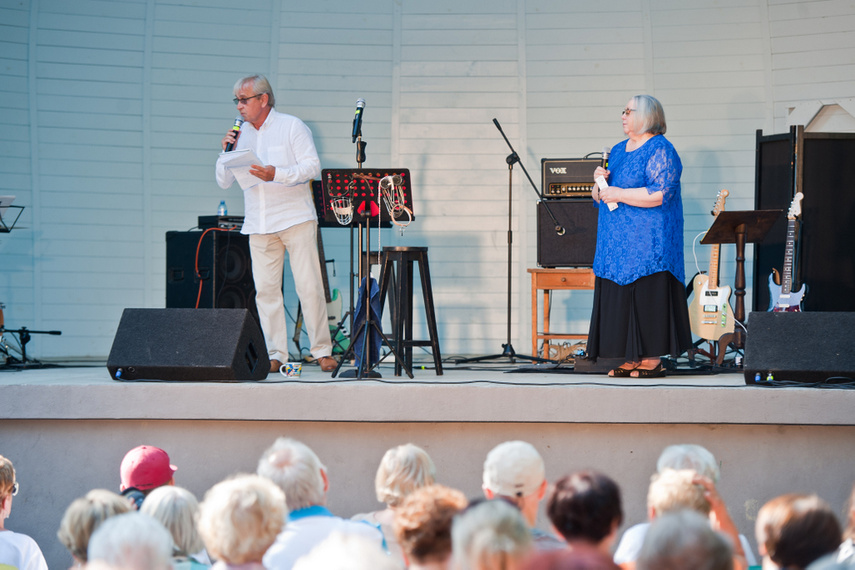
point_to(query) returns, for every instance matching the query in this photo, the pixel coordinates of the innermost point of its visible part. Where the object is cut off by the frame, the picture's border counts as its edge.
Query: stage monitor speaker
(199, 345)
(225, 267)
(575, 248)
(800, 347)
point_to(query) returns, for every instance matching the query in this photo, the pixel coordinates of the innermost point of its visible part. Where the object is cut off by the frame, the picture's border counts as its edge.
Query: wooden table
(549, 280)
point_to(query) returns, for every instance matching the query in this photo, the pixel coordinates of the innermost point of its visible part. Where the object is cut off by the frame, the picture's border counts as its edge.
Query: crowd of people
(278, 519)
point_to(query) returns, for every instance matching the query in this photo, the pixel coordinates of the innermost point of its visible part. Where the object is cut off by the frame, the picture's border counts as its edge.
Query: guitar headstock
(795, 206)
(719, 202)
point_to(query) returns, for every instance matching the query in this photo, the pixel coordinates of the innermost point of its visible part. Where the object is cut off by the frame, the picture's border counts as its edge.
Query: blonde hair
(492, 535)
(176, 509)
(7, 478)
(84, 515)
(402, 470)
(240, 518)
(672, 490)
(297, 470)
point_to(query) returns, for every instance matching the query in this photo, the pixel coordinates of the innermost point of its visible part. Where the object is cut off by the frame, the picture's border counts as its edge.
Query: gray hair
(402, 470)
(258, 84)
(295, 468)
(133, 541)
(673, 490)
(684, 539)
(689, 456)
(341, 551)
(176, 509)
(649, 114)
(488, 535)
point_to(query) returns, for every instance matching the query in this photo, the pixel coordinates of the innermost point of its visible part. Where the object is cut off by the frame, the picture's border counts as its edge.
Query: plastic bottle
(222, 210)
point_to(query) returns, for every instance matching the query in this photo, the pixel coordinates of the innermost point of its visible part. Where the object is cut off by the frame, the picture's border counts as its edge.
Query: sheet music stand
(5, 204)
(750, 226)
(362, 187)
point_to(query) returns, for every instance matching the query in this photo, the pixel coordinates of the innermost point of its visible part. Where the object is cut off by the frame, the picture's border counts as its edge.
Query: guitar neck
(713, 271)
(789, 250)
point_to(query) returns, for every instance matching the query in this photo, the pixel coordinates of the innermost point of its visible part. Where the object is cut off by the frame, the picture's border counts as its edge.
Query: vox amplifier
(568, 177)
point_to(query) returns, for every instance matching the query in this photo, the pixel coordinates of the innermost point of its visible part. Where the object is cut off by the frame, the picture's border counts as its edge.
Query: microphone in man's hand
(357, 118)
(236, 129)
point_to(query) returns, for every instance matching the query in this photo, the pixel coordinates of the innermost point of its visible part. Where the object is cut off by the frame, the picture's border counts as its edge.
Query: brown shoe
(275, 365)
(328, 363)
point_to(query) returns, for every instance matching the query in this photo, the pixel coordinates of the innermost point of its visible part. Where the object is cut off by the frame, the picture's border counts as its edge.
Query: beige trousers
(268, 261)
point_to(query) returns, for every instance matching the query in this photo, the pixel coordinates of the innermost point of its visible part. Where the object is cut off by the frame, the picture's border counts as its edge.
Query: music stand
(5, 204)
(750, 226)
(361, 186)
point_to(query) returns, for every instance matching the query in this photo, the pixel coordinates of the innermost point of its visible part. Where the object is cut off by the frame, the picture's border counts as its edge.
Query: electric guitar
(710, 314)
(782, 299)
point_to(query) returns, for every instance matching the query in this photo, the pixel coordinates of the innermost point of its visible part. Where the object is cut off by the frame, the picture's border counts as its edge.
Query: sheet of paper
(238, 162)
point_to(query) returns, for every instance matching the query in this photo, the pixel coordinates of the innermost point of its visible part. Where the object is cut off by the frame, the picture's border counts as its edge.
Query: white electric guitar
(710, 314)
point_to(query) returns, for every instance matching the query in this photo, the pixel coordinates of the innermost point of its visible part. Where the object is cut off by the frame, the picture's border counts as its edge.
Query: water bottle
(222, 210)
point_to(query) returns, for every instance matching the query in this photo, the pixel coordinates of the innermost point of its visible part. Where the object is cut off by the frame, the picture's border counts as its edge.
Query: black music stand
(5, 227)
(362, 187)
(750, 226)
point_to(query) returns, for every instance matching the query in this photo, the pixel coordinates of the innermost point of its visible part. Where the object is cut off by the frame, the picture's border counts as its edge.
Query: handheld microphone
(236, 129)
(357, 118)
(606, 151)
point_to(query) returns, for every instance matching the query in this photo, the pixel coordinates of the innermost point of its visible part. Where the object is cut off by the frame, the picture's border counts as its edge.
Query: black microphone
(236, 129)
(357, 118)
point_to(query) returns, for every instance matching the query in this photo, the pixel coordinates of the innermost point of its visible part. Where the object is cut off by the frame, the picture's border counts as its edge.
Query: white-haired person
(176, 509)
(84, 515)
(299, 473)
(402, 470)
(514, 470)
(673, 490)
(684, 539)
(16, 550)
(341, 551)
(701, 460)
(239, 519)
(132, 541)
(490, 535)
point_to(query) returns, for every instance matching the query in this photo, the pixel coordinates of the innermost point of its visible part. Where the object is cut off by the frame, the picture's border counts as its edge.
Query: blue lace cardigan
(633, 242)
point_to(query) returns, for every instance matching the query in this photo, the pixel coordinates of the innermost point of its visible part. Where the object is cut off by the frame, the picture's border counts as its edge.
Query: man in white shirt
(300, 474)
(280, 216)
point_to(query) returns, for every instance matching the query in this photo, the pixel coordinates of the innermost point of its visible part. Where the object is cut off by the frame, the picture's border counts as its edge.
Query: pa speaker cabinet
(225, 268)
(576, 246)
(199, 345)
(800, 347)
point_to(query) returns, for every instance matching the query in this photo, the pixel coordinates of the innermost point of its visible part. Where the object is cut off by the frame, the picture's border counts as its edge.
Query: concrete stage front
(67, 429)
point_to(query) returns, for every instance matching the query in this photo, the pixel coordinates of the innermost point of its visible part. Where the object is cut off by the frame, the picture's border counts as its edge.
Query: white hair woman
(84, 515)
(132, 541)
(16, 550)
(176, 509)
(492, 535)
(402, 470)
(239, 520)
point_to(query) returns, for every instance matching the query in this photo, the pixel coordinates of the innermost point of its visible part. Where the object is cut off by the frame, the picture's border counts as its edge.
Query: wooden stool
(397, 265)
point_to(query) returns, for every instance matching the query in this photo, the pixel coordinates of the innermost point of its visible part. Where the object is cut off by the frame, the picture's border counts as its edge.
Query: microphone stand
(507, 348)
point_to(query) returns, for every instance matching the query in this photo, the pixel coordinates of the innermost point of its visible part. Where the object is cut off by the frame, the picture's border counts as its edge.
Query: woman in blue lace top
(640, 309)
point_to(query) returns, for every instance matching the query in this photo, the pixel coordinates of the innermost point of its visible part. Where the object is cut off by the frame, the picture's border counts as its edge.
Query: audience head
(176, 509)
(514, 469)
(586, 505)
(297, 470)
(8, 487)
(673, 490)
(402, 470)
(132, 541)
(84, 515)
(684, 539)
(492, 535)
(793, 530)
(240, 517)
(689, 456)
(341, 551)
(423, 523)
(145, 468)
(850, 520)
(570, 559)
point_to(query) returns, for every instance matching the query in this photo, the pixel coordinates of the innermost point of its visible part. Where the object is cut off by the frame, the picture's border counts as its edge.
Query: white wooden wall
(112, 112)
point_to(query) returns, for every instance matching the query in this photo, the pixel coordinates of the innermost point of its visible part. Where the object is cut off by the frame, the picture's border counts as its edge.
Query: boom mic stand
(507, 348)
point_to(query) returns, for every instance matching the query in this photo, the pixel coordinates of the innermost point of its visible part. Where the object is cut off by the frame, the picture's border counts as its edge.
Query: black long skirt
(644, 319)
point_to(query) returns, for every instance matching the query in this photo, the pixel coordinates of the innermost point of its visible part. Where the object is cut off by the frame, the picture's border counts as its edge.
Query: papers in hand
(238, 163)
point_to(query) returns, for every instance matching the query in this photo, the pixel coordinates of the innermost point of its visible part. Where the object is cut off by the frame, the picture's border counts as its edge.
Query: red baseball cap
(146, 467)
